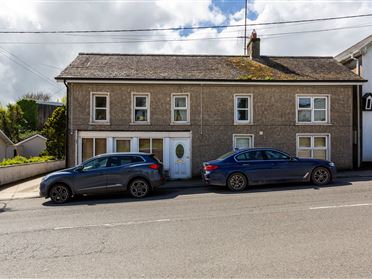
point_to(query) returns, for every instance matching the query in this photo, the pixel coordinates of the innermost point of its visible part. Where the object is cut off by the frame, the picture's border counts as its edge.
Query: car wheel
(237, 182)
(321, 176)
(139, 188)
(59, 193)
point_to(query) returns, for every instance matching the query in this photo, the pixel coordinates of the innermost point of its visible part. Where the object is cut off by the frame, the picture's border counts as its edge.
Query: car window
(137, 159)
(96, 164)
(275, 155)
(250, 156)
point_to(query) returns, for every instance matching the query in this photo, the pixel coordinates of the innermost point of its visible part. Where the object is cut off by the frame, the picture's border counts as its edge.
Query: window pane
(243, 115)
(122, 145)
(320, 154)
(180, 115)
(96, 164)
(319, 103)
(141, 102)
(157, 148)
(304, 153)
(320, 142)
(100, 114)
(100, 146)
(304, 102)
(180, 102)
(141, 115)
(242, 142)
(144, 145)
(101, 101)
(87, 149)
(242, 102)
(304, 116)
(319, 115)
(305, 142)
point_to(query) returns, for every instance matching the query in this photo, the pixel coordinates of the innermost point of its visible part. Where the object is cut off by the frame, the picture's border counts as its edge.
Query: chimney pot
(253, 46)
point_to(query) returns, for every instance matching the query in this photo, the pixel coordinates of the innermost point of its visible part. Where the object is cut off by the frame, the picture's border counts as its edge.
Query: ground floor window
(154, 146)
(92, 147)
(122, 145)
(313, 146)
(242, 141)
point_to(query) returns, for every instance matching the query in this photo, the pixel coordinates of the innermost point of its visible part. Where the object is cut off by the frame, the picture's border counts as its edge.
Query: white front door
(180, 163)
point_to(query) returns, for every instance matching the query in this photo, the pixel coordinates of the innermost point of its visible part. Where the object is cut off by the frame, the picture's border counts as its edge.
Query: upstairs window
(180, 109)
(100, 107)
(242, 109)
(311, 109)
(141, 108)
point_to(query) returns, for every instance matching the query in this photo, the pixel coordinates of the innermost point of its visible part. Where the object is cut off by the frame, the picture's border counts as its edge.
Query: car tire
(139, 188)
(237, 182)
(60, 193)
(321, 176)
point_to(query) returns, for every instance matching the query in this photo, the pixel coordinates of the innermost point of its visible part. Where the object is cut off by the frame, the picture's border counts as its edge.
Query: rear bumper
(210, 178)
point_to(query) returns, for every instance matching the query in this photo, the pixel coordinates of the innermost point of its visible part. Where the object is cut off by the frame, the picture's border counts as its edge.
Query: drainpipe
(201, 108)
(352, 56)
(67, 123)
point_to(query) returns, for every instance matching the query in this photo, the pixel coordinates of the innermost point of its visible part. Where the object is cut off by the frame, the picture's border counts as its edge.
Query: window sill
(312, 124)
(180, 123)
(243, 123)
(140, 123)
(99, 123)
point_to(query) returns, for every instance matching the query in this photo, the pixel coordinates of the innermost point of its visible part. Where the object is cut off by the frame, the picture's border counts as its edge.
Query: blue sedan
(253, 166)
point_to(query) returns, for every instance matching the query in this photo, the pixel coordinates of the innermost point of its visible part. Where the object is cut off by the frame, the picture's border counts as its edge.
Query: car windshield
(228, 154)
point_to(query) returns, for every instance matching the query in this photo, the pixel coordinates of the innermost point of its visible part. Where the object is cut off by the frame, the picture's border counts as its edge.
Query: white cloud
(63, 15)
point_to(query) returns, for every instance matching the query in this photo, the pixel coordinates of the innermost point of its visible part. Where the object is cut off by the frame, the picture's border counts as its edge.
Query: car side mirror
(79, 168)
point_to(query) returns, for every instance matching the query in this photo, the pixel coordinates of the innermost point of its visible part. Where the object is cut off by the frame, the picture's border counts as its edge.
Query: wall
(212, 116)
(18, 172)
(3, 149)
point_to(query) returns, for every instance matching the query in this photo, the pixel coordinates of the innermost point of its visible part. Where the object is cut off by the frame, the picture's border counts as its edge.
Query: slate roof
(355, 49)
(205, 68)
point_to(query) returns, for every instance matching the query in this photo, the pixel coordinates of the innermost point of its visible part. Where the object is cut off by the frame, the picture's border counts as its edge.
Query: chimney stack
(253, 47)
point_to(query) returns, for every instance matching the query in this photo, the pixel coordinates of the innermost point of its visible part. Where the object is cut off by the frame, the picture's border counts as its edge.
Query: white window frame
(187, 108)
(138, 94)
(250, 106)
(312, 147)
(312, 109)
(93, 107)
(235, 136)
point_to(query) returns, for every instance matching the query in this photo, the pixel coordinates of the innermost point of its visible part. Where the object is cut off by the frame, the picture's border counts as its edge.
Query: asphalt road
(272, 231)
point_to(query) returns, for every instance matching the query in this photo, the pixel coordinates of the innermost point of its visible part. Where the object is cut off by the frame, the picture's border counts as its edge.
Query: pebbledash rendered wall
(15, 173)
(212, 116)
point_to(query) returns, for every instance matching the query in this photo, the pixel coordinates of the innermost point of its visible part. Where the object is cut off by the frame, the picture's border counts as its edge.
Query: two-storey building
(190, 108)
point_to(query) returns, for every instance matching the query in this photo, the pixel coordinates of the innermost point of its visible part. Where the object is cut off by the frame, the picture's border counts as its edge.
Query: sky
(29, 62)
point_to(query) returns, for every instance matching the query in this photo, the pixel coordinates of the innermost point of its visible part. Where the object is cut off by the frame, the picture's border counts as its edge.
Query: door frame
(171, 159)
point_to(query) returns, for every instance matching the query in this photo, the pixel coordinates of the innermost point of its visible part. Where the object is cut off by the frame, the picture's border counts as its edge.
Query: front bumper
(43, 191)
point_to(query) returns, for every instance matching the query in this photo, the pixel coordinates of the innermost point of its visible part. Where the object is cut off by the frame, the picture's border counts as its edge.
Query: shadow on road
(195, 187)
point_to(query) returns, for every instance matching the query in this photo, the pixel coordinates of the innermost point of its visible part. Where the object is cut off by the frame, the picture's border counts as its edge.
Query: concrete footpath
(30, 188)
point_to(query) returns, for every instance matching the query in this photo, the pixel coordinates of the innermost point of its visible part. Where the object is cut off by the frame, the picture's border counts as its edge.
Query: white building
(358, 58)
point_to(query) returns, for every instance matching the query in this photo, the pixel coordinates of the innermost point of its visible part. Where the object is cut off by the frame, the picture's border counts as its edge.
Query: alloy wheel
(139, 188)
(321, 176)
(237, 182)
(59, 193)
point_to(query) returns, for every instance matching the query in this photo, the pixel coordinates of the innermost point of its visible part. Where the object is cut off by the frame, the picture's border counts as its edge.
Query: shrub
(23, 160)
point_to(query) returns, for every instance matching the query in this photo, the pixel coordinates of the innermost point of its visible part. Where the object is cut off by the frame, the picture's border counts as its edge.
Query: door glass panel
(320, 142)
(320, 154)
(180, 151)
(157, 148)
(144, 145)
(304, 153)
(100, 147)
(122, 145)
(87, 148)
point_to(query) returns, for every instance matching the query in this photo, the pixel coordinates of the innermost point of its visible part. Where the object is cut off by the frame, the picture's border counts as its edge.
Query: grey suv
(139, 173)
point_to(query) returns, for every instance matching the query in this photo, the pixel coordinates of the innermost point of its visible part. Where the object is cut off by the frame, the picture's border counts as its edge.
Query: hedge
(23, 160)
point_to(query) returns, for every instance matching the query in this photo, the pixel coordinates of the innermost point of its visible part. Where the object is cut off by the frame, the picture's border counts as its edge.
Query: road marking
(341, 206)
(113, 224)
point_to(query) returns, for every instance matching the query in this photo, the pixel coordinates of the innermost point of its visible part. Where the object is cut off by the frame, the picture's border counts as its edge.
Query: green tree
(54, 130)
(11, 121)
(38, 96)
(29, 108)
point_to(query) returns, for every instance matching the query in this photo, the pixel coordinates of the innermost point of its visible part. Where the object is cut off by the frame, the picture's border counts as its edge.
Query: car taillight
(154, 166)
(210, 167)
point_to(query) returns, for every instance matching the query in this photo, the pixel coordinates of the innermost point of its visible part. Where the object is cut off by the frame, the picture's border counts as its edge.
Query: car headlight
(331, 164)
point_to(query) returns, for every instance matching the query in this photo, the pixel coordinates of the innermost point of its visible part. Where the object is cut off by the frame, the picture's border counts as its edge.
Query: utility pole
(245, 27)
